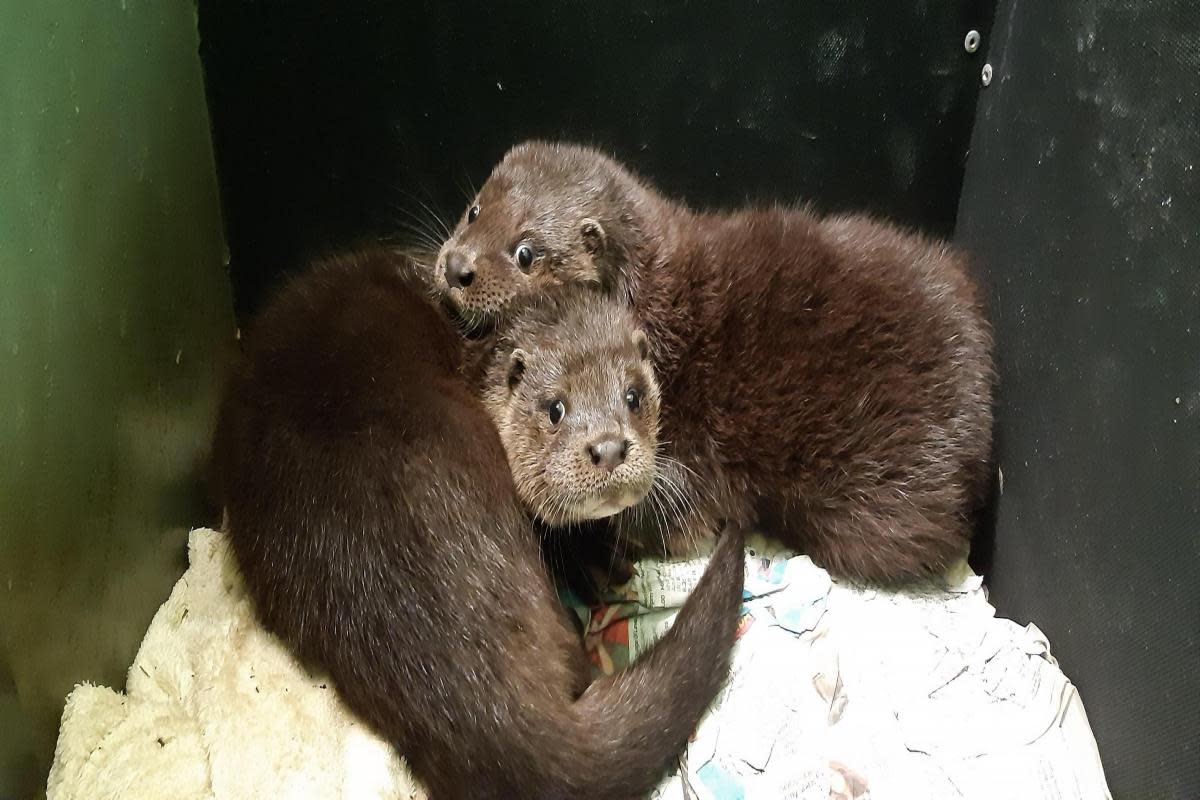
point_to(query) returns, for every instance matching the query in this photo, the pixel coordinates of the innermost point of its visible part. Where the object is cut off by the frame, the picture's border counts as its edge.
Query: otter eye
(473, 214)
(556, 410)
(633, 399)
(524, 255)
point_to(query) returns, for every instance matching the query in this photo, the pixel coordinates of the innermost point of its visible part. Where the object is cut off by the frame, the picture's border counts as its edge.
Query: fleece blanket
(837, 691)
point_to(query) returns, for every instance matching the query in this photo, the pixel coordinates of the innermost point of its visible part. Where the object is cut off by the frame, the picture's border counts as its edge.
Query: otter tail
(617, 742)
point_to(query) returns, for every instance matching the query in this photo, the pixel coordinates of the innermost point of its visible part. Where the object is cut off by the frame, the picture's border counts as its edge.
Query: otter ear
(516, 368)
(643, 345)
(594, 238)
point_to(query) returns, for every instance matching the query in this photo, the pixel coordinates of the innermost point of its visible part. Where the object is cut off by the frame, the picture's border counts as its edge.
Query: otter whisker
(417, 225)
(678, 511)
(433, 216)
(612, 555)
(415, 240)
(683, 502)
(431, 225)
(468, 191)
(437, 219)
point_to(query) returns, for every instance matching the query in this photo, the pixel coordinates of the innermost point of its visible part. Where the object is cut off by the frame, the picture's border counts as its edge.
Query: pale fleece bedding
(216, 707)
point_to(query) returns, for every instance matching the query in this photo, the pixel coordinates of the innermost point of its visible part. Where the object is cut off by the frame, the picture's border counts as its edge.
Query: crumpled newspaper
(841, 692)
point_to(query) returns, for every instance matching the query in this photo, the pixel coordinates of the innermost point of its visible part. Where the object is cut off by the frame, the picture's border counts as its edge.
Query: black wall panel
(335, 121)
(1082, 204)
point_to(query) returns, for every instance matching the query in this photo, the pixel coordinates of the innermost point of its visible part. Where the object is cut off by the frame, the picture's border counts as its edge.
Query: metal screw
(971, 43)
(986, 77)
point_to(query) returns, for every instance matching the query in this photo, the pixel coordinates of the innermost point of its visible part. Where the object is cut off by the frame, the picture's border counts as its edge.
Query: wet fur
(830, 378)
(373, 516)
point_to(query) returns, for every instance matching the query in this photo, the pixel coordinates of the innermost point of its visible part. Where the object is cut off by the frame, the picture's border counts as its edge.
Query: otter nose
(459, 272)
(609, 452)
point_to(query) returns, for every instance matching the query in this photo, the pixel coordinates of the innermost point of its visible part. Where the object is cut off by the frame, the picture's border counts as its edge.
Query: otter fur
(373, 516)
(574, 397)
(828, 377)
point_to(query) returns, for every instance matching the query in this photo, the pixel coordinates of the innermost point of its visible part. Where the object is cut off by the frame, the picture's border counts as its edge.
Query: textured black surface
(335, 121)
(1082, 203)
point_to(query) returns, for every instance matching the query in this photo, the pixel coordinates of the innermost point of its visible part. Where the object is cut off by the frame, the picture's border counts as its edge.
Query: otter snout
(608, 452)
(458, 269)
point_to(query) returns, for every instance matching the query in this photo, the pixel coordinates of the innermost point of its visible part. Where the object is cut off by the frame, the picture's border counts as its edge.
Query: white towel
(217, 707)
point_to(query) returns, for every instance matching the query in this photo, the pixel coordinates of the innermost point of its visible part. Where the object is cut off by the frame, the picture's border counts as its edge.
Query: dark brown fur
(830, 376)
(374, 518)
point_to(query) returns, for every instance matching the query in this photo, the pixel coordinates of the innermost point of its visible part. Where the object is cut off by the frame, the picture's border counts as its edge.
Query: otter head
(548, 215)
(573, 395)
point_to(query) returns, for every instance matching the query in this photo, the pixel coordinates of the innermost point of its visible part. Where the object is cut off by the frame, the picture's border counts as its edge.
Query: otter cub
(374, 518)
(571, 390)
(829, 377)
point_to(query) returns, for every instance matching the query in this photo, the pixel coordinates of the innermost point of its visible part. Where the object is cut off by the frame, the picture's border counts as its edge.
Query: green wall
(115, 319)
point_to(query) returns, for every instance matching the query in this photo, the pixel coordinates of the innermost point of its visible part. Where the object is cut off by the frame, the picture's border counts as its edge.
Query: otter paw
(621, 571)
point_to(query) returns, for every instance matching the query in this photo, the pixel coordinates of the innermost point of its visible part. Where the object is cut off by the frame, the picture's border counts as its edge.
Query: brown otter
(830, 377)
(582, 439)
(372, 513)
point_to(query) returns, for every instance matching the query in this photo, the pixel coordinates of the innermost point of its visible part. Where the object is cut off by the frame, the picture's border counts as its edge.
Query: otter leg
(887, 542)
